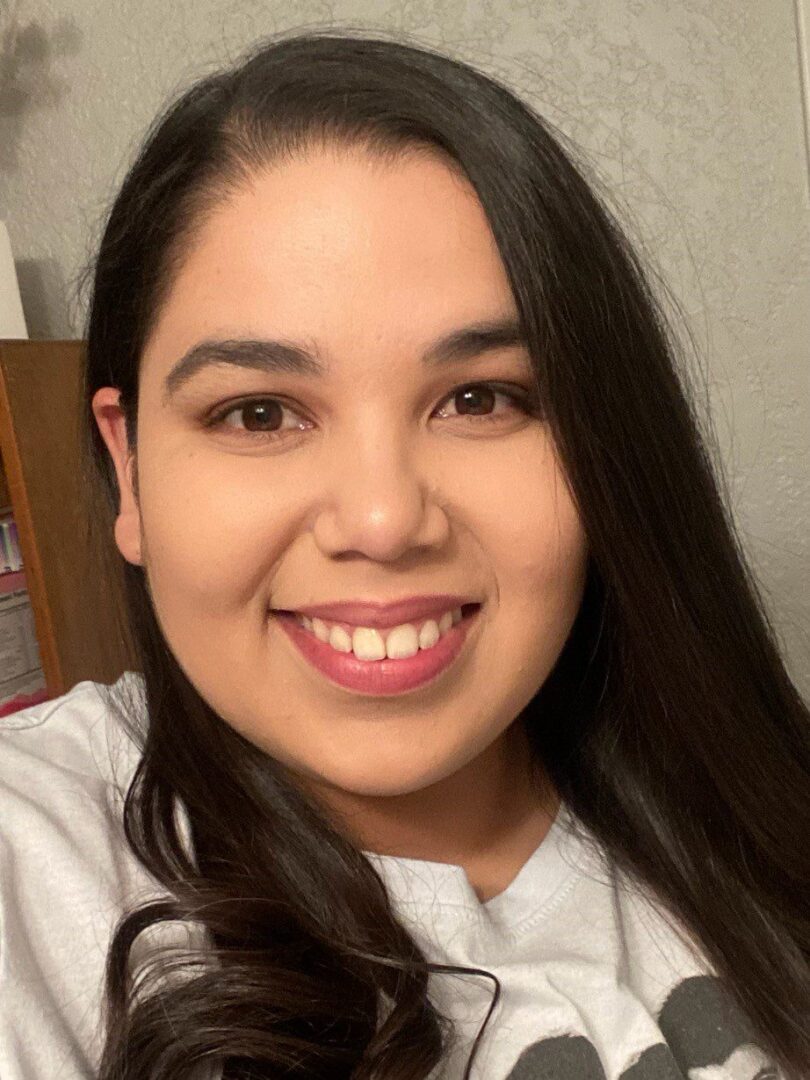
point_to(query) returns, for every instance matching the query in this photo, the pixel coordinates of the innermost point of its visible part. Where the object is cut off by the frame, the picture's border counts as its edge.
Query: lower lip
(378, 677)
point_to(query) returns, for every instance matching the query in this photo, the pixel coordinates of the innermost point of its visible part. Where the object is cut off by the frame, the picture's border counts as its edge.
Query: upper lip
(373, 613)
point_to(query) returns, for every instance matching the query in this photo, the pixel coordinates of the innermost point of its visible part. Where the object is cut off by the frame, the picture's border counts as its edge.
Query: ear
(111, 424)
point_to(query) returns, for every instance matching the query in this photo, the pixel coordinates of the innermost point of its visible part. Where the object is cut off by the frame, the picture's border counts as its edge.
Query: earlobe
(112, 427)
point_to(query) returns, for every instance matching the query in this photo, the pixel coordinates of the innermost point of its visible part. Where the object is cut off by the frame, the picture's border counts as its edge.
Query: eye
(262, 418)
(477, 403)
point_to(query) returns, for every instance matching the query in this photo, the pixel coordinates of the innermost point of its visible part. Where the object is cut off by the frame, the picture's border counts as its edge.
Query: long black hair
(669, 725)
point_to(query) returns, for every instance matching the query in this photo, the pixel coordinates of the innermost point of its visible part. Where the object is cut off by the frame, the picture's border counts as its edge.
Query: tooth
(339, 639)
(367, 644)
(402, 642)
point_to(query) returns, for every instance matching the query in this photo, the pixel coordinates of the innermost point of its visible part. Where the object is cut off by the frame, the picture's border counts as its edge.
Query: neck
(488, 817)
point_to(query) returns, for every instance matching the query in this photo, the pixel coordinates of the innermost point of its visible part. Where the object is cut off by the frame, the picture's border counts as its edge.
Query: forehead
(338, 246)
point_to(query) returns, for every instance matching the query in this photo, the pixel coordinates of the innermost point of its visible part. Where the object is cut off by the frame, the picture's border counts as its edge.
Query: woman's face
(375, 479)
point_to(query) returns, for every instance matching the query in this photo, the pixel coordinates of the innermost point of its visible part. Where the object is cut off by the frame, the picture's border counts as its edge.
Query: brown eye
(475, 400)
(262, 415)
(258, 419)
(262, 419)
(482, 400)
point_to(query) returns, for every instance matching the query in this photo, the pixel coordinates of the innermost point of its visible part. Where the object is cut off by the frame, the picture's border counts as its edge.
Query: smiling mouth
(396, 642)
(376, 662)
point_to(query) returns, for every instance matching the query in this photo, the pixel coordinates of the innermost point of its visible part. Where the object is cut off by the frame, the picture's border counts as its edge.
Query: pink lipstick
(380, 677)
(375, 613)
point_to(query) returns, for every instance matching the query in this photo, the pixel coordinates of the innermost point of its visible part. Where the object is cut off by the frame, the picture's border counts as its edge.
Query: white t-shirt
(595, 985)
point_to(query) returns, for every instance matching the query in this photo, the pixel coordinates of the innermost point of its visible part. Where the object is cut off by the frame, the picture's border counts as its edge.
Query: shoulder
(615, 915)
(65, 765)
(67, 751)
(66, 874)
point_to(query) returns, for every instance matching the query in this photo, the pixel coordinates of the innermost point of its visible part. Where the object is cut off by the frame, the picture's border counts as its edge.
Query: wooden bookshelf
(74, 601)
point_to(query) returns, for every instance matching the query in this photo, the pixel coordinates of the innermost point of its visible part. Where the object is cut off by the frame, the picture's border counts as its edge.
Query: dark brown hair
(668, 725)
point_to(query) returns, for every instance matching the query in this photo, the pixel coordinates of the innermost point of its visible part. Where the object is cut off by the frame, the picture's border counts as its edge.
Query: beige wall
(691, 109)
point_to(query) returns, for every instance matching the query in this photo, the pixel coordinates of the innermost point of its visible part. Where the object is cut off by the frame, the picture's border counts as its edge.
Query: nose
(379, 502)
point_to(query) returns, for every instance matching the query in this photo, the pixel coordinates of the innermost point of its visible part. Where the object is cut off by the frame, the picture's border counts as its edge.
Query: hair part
(669, 724)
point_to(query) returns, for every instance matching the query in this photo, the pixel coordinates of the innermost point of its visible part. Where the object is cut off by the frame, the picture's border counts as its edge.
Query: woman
(469, 749)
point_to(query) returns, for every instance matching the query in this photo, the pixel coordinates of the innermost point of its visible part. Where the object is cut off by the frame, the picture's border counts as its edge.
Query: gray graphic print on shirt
(707, 1038)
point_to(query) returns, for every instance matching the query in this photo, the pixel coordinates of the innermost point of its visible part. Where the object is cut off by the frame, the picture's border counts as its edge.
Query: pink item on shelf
(22, 701)
(12, 581)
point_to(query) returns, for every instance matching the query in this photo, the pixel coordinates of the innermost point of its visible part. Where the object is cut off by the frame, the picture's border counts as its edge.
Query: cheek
(212, 530)
(529, 525)
(530, 534)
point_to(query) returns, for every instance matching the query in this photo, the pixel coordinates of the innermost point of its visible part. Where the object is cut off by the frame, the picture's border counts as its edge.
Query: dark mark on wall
(28, 51)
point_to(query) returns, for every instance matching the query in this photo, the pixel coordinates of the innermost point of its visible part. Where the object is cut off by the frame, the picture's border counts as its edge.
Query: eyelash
(520, 397)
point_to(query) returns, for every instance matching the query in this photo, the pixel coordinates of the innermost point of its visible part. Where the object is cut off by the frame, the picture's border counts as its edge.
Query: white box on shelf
(12, 319)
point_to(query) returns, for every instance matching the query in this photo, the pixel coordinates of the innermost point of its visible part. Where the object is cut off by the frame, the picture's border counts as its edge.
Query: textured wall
(690, 109)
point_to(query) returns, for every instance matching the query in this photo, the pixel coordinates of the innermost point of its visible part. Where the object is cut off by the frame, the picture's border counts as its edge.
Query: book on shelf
(10, 557)
(22, 680)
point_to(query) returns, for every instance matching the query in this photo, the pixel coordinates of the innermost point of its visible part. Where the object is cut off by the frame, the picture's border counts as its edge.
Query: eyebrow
(272, 357)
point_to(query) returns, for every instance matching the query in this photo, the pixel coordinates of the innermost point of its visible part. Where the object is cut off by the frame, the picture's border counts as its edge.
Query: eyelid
(524, 397)
(220, 412)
